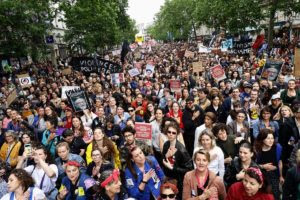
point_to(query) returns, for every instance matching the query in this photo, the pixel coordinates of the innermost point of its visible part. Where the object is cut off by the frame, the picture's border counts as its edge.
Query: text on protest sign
(64, 89)
(134, 72)
(95, 65)
(143, 131)
(198, 66)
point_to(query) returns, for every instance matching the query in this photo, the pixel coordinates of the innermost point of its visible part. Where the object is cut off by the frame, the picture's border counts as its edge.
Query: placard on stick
(25, 80)
(143, 131)
(11, 98)
(297, 63)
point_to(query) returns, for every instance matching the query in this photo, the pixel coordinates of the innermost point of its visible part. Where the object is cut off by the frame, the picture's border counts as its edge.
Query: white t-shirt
(38, 173)
(37, 194)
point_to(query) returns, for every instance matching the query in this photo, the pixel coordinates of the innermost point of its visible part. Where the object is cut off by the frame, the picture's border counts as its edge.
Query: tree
(234, 15)
(24, 25)
(96, 24)
(174, 20)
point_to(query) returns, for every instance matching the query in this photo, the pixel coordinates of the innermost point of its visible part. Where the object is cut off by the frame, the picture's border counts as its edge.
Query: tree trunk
(271, 23)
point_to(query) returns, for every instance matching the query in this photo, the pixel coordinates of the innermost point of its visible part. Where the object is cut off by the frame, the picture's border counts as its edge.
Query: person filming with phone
(44, 172)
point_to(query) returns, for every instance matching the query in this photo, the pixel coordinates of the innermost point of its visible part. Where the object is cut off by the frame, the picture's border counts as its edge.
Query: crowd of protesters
(236, 138)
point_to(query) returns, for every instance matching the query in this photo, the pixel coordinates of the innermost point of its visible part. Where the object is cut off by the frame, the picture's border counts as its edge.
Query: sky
(143, 11)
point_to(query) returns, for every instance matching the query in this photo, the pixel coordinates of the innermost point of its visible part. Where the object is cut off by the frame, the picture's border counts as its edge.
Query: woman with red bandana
(111, 186)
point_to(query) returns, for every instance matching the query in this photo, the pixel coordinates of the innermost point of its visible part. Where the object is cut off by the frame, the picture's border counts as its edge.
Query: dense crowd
(234, 138)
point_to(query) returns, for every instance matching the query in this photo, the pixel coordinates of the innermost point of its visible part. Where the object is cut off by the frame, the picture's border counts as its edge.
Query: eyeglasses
(164, 196)
(172, 132)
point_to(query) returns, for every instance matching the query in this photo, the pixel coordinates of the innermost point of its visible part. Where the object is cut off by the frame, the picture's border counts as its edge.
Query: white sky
(143, 11)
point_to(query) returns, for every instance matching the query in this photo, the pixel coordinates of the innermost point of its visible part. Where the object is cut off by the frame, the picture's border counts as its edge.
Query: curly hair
(24, 178)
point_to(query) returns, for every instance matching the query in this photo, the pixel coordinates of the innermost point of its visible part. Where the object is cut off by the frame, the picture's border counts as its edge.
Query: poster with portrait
(78, 99)
(149, 70)
(24, 80)
(218, 73)
(272, 69)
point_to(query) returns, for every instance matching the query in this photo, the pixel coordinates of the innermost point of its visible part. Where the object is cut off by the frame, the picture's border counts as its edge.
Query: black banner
(89, 65)
(242, 47)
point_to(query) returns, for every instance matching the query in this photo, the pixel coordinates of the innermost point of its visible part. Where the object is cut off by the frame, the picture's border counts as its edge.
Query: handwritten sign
(134, 72)
(189, 54)
(198, 66)
(143, 131)
(12, 96)
(65, 89)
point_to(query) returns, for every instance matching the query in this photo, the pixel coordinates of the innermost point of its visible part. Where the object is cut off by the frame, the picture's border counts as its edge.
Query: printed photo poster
(272, 69)
(134, 72)
(78, 99)
(24, 80)
(65, 89)
(175, 86)
(227, 44)
(218, 73)
(149, 70)
(143, 132)
(117, 78)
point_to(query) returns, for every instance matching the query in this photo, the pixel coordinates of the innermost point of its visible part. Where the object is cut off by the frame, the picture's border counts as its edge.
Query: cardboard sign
(297, 63)
(134, 72)
(65, 89)
(11, 98)
(218, 72)
(25, 80)
(272, 69)
(175, 86)
(78, 99)
(89, 65)
(117, 78)
(189, 54)
(198, 66)
(67, 71)
(143, 131)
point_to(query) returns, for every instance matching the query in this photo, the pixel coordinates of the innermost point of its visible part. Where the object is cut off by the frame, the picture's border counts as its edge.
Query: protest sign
(271, 69)
(189, 54)
(175, 86)
(67, 71)
(89, 65)
(65, 89)
(134, 72)
(297, 63)
(203, 49)
(242, 47)
(117, 78)
(78, 99)
(218, 72)
(25, 80)
(11, 97)
(227, 44)
(198, 66)
(149, 70)
(143, 131)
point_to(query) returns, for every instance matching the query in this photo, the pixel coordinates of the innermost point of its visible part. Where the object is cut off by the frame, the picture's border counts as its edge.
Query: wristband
(144, 181)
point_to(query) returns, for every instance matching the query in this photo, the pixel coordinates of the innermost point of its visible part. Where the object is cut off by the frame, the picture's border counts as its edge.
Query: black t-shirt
(268, 156)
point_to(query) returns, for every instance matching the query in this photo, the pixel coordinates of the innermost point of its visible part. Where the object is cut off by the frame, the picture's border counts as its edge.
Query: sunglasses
(164, 196)
(172, 132)
(130, 110)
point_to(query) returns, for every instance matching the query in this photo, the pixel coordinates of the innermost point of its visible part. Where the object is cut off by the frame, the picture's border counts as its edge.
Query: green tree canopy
(24, 25)
(95, 24)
